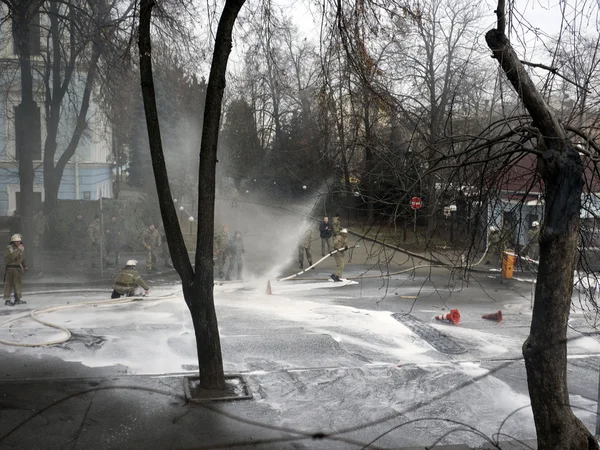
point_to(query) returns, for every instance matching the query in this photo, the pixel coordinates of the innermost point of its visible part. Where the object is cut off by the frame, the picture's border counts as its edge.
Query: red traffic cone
(453, 316)
(269, 292)
(497, 316)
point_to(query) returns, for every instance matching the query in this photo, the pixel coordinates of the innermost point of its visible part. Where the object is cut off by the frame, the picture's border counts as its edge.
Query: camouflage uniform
(113, 239)
(78, 234)
(533, 246)
(340, 243)
(236, 250)
(151, 241)
(221, 249)
(495, 246)
(14, 264)
(39, 226)
(337, 227)
(94, 236)
(303, 247)
(126, 283)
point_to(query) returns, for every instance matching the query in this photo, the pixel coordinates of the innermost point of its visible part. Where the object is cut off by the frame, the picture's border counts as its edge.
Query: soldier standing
(94, 236)
(113, 238)
(128, 280)
(533, 246)
(236, 250)
(78, 233)
(337, 227)
(340, 243)
(494, 245)
(151, 241)
(14, 264)
(222, 249)
(304, 247)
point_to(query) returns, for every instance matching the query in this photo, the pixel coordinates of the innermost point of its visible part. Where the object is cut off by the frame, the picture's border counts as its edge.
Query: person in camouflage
(77, 238)
(495, 246)
(340, 243)
(304, 247)
(94, 236)
(533, 246)
(128, 280)
(337, 227)
(236, 250)
(221, 249)
(151, 242)
(113, 238)
(14, 264)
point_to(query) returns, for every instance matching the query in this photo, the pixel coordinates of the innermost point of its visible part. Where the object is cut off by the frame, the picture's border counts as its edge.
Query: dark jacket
(236, 247)
(326, 229)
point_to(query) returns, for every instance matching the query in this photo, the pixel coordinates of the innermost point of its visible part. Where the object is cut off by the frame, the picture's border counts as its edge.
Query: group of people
(497, 243)
(87, 239)
(229, 250)
(334, 238)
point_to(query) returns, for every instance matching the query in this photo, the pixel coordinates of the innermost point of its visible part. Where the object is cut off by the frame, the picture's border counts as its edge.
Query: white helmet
(131, 262)
(343, 230)
(16, 238)
(493, 228)
(535, 224)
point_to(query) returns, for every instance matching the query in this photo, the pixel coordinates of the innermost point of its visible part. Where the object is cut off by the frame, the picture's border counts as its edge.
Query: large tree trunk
(545, 350)
(27, 119)
(198, 283)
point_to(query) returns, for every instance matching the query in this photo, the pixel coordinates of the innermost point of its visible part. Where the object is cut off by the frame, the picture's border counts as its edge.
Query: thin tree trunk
(198, 285)
(545, 350)
(209, 346)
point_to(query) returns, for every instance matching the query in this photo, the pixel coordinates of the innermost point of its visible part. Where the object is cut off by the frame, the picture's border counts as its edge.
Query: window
(87, 195)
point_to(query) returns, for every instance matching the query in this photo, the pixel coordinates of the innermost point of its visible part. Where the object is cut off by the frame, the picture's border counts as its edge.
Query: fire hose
(34, 315)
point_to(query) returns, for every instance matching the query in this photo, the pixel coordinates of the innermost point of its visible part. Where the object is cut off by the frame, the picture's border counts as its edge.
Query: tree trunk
(209, 346)
(198, 285)
(26, 137)
(545, 350)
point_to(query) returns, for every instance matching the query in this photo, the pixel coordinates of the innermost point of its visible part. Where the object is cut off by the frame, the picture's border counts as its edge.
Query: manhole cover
(440, 341)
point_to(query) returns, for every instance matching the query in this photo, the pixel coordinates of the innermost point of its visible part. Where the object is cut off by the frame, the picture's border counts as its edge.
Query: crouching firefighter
(128, 281)
(14, 264)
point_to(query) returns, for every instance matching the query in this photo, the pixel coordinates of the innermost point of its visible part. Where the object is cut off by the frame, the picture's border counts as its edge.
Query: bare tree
(197, 281)
(561, 169)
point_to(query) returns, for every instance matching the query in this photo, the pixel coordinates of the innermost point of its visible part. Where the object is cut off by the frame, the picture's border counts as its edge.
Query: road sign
(416, 203)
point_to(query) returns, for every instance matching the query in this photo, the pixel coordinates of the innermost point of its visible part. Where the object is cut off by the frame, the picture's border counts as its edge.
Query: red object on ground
(497, 316)
(453, 316)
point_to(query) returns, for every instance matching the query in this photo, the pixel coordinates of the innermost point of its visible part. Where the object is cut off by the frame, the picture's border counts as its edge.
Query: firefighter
(14, 265)
(128, 280)
(340, 243)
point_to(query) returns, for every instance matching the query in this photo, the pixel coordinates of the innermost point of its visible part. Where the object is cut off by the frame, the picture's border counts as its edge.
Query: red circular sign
(416, 203)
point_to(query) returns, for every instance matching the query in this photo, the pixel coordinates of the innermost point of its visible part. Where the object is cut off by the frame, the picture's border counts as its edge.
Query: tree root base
(236, 388)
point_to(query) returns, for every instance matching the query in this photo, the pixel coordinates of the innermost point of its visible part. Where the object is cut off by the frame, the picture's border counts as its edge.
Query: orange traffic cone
(497, 316)
(453, 316)
(269, 292)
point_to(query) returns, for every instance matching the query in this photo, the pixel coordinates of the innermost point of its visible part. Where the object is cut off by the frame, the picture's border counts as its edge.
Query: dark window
(87, 195)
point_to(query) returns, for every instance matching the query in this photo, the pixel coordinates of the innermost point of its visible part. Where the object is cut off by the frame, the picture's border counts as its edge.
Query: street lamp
(181, 214)
(191, 219)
